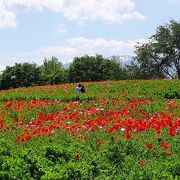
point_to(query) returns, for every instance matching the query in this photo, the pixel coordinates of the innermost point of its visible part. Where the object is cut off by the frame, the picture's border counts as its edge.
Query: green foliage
(94, 68)
(20, 75)
(26, 74)
(133, 71)
(160, 56)
(53, 71)
(55, 153)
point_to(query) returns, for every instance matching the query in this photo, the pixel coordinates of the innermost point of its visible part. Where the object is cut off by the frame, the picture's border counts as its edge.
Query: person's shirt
(78, 89)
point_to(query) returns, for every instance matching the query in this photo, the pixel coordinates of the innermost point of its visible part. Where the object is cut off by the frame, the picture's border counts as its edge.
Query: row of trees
(86, 68)
(157, 58)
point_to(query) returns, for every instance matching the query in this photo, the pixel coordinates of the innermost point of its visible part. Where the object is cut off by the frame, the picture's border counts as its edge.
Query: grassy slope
(94, 153)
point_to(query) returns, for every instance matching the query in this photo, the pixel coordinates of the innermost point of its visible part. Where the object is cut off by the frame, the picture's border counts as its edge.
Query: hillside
(51, 132)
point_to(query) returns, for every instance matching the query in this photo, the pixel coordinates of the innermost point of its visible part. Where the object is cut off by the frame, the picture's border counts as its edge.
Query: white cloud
(111, 11)
(61, 28)
(37, 5)
(7, 18)
(101, 45)
(79, 46)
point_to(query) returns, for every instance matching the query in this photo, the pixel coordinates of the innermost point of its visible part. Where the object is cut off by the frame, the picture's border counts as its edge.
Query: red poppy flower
(148, 145)
(128, 135)
(27, 138)
(18, 143)
(100, 143)
(164, 145)
(142, 163)
(168, 153)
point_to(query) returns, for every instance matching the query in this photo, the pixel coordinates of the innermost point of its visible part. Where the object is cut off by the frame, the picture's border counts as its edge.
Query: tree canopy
(53, 71)
(20, 75)
(160, 56)
(93, 68)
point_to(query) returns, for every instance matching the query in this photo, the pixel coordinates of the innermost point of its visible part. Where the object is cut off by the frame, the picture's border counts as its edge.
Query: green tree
(93, 68)
(20, 75)
(160, 56)
(53, 71)
(132, 71)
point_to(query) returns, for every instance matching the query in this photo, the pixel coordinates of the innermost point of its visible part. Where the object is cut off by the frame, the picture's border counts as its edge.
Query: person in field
(82, 89)
(78, 88)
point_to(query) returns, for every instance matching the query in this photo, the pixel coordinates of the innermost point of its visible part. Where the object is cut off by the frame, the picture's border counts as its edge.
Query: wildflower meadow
(116, 130)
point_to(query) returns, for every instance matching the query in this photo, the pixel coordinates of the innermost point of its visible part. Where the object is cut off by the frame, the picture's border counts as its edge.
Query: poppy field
(116, 130)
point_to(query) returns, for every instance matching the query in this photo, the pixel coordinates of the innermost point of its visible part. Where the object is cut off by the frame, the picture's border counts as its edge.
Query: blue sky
(33, 29)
